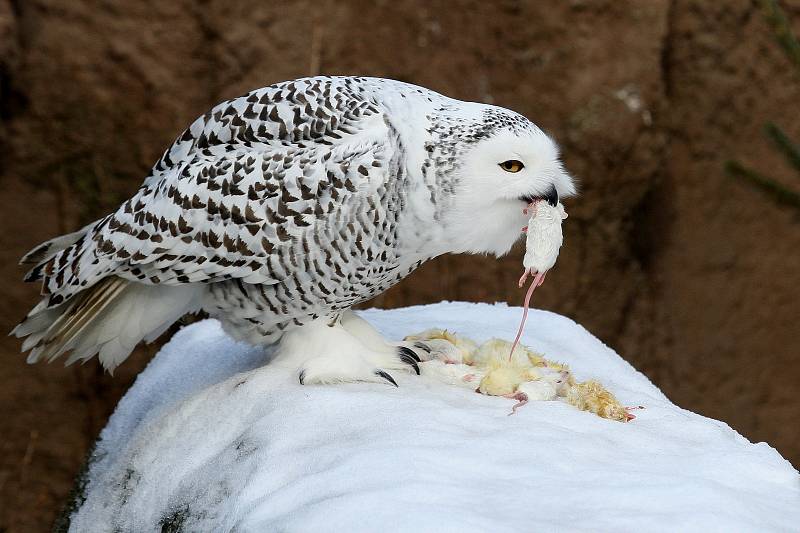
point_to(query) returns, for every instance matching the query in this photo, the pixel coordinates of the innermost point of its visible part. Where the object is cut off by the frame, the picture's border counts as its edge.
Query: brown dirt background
(691, 276)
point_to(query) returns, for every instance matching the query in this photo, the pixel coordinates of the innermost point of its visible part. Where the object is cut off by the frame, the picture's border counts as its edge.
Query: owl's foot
(327, 370)
(409, 353)
(325, 353)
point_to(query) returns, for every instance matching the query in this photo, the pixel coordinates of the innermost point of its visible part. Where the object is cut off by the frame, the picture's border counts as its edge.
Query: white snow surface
(209, 439)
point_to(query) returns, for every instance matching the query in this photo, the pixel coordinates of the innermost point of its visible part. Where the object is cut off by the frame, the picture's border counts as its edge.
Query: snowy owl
(277, 211)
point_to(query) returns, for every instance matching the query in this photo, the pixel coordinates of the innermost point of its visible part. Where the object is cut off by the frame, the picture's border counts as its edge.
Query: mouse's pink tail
(537, 280)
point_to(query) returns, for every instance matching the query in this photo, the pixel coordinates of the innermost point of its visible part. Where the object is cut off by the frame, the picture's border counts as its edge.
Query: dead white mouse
(544, 240)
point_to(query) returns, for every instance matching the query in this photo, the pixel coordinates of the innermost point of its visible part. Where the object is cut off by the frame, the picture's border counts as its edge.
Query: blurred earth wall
(691, 276)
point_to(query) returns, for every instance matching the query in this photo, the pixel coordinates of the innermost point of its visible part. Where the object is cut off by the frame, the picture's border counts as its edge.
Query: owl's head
(502, 162)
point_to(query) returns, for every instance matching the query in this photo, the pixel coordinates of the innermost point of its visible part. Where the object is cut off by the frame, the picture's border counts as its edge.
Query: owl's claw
(408, 356)
(408, 353)
(422, 346)
(386, 376)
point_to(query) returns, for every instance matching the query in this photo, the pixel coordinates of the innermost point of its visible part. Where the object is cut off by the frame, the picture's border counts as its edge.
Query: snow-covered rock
(208, 439)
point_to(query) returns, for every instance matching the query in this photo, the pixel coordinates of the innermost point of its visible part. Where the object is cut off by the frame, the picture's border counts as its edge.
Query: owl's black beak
(551, 196)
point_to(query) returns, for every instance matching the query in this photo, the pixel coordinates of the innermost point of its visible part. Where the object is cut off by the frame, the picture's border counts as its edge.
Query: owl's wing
(238, 189)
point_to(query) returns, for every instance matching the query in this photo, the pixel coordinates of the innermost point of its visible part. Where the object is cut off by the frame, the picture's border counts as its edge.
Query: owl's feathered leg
(409, 353)
(325, 351)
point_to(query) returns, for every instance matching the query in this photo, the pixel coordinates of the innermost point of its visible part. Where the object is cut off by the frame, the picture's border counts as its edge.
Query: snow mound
(207, 439)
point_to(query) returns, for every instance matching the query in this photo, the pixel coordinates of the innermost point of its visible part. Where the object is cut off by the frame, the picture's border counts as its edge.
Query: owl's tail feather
(109, 318)
(48, 249)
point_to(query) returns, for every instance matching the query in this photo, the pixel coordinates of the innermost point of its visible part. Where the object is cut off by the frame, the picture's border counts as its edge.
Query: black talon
(408, 356)
(386, 376)
(411, 362)
(422, 346)
(408, 352)
(302, 376)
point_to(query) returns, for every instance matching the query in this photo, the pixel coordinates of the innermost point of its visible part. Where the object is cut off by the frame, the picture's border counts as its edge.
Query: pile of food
(524, 376)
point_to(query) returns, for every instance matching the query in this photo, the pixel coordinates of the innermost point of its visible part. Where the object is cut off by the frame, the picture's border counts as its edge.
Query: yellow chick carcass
(504, 379)
(458, 374)
(445, 346)
(497, 350)
(593, 397)
(525, 376)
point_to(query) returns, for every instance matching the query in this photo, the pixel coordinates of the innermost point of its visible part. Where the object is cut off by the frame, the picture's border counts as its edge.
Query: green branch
(784, 144)
(783, 30)
(765, 184)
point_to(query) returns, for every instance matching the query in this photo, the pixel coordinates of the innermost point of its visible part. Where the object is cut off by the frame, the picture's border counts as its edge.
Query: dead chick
(453, 373)
(497, 349)
(593, 397)
(523, 383)
(559, 379)
(560, 375)
(444, 345)
(503, 378)
(538, 391)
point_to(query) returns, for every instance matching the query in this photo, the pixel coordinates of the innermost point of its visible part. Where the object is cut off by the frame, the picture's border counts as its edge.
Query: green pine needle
(778, 192)
(790, 150)
(783, 30)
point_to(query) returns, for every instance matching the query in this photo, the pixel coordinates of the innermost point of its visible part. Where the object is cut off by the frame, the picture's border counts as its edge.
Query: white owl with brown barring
(277, 211)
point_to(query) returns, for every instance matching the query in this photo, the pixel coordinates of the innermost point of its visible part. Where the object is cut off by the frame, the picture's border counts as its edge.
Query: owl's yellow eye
(512, 165)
